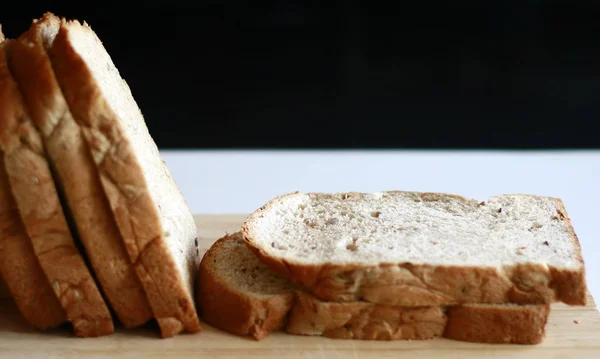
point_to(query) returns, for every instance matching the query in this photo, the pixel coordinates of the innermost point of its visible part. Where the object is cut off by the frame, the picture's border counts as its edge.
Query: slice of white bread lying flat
(414, 249)
(40, 209)
(76, 173)
(151, 213)
(238, 293)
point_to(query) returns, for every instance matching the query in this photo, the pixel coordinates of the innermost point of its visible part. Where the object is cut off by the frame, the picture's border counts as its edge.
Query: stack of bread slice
(395, 265)
(95, 231)
(94, 228)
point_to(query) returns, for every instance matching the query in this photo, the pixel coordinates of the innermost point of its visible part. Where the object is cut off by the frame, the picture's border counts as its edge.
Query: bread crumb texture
(418, 228)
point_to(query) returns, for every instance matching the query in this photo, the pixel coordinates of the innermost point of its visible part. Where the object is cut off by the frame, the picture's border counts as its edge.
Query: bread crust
(40, 209)
(498, 324)
(22, 276)
(76, 173)
(240, 312)
(20, 272)
(127, 191)
(3, 289)
(231, 310)
(409, 284)
(363, 320)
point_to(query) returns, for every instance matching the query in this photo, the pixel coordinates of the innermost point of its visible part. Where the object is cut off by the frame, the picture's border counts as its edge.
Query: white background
(228, 182)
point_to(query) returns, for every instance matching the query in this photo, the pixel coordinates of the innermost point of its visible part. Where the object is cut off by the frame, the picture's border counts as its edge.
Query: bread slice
(365, 321)
(477, 323)
(3, 290)
(414, 249)
(76, 173)
(40, 209)
(21, 273)
(23, 277)
(151, 213)
(238, 293)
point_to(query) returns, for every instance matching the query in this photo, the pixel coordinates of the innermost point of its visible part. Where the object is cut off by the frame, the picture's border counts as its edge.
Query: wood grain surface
(572, 332)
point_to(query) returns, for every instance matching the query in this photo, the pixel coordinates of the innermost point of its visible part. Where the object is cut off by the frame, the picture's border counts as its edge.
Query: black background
(348, 74)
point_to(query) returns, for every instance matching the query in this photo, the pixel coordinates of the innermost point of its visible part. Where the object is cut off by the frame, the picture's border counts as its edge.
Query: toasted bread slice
(40, 209)
(238, 293)
(151, 213)
(415, 249)
(76, 173)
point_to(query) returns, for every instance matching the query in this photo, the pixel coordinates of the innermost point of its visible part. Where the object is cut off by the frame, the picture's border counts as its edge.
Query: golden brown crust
(36, 198)
(76, 172)
(497, 324)
(363, 320)
(25, 279)
(22, 275)
(125, 187)
(517, 324)
(3, 289)
(406, 284)
(228, 309)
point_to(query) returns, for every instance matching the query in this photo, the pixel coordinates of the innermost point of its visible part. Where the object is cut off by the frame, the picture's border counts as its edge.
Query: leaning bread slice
(39, 206)
(238, 293)
(414, 249)
(3, 290)
(151, 213)
(76, 172)
(22, 276)
(21, 273)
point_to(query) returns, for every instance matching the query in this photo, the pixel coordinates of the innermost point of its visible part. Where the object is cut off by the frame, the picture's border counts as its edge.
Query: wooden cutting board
(572, 332)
